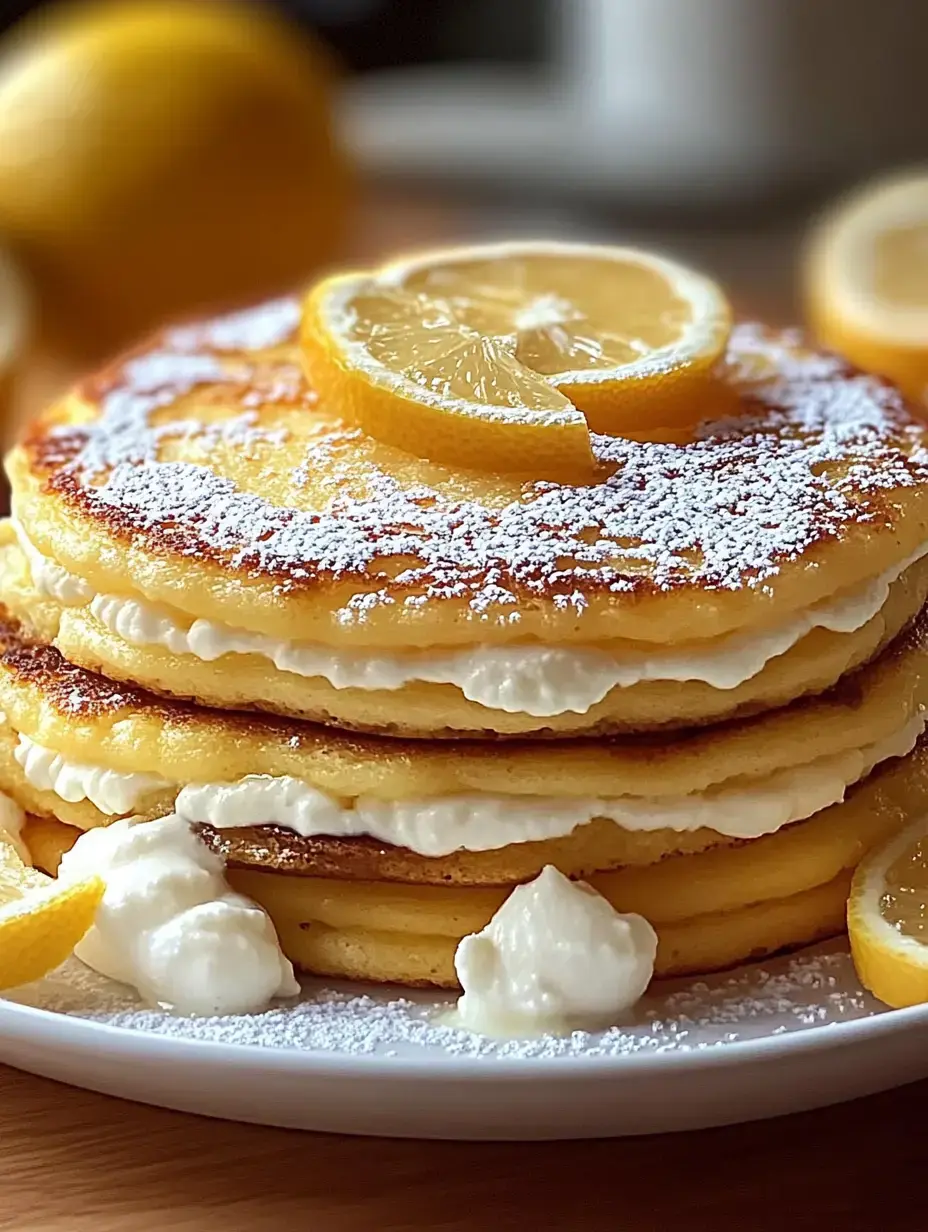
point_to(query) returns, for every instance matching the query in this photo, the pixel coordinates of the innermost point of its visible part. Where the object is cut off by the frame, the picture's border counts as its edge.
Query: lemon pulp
(904, 901)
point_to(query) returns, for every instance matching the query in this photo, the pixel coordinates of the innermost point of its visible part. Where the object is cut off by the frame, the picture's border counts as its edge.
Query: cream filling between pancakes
(540, 681)
(111, 791)
(476, 821)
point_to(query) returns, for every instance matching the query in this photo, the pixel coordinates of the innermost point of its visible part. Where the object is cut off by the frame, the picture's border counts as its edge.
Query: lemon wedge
(505, 357)
(866, 280)
(41, 920)
(888, 919)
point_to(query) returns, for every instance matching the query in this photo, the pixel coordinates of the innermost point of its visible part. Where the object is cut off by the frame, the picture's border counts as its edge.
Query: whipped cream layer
(441, 825)
(110, 791)
(540, 681)
(48, 577)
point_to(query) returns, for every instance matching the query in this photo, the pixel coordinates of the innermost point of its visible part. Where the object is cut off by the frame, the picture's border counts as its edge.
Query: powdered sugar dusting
(805, 463)
(815, 989)
(241, 431)
(254, 329)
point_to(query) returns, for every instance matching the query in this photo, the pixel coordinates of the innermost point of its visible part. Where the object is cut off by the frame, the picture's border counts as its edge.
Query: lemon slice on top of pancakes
(41, 920)
(866, 279)
(505, 357)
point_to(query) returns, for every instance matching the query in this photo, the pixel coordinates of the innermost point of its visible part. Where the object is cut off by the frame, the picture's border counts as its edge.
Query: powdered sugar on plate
(813, 990)
(809, 459)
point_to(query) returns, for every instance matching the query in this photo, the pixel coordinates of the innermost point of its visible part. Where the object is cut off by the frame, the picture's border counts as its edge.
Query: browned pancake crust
(273, 849)
(867, 458)
(74, 691)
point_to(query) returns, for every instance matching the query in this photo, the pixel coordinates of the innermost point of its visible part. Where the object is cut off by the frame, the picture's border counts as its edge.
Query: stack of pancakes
(387, 691)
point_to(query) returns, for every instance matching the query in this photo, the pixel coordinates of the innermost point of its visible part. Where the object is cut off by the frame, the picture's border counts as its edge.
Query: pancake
(274, 794)
(194, 520)
(696, 947)
(811, 666)
(712, 910)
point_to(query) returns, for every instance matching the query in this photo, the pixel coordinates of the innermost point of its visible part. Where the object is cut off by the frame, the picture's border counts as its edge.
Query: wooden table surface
(71, 1161)
(76, 1162)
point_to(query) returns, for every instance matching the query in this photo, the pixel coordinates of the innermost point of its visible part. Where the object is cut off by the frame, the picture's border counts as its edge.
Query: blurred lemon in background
(15, 326)
(866, 279)
(157, 158)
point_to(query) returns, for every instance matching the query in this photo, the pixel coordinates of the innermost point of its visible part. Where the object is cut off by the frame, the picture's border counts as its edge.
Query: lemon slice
(888, 919)
(866, 280)
(505, 357)
(16, 877)
(41, 920)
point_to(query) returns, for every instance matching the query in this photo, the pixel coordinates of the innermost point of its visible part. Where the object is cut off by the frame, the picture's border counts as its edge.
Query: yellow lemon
(504, 357)
(158, 156)
(15, 328)
(866, 280)
(888, 919)
(41, 920)
(16, 878)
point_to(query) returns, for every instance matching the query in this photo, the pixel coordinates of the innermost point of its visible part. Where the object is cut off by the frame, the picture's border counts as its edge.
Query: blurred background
(157, 159)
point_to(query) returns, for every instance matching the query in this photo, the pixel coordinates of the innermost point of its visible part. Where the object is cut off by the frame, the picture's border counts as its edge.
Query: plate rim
(39, 1025)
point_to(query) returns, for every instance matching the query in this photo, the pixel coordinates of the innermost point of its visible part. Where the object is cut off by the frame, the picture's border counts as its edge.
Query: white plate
(795, 1034)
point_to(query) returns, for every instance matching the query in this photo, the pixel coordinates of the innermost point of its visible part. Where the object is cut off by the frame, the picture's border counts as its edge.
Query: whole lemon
(158, 157)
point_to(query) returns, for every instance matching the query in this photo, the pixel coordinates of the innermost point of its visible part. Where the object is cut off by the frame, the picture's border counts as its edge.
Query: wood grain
(71, 1161)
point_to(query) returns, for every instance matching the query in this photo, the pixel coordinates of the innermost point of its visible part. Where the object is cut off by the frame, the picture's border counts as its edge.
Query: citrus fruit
(888, 918)
(15, 314)
(41, 920)
(507, 356)
(16, 877)
(866, 280)
(158, 156)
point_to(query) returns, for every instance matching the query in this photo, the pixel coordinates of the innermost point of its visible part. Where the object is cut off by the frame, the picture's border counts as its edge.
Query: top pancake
(200, 472)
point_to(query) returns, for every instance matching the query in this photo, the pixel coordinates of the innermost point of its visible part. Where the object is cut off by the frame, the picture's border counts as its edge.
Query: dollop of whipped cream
(555, 957)
(170, 926)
